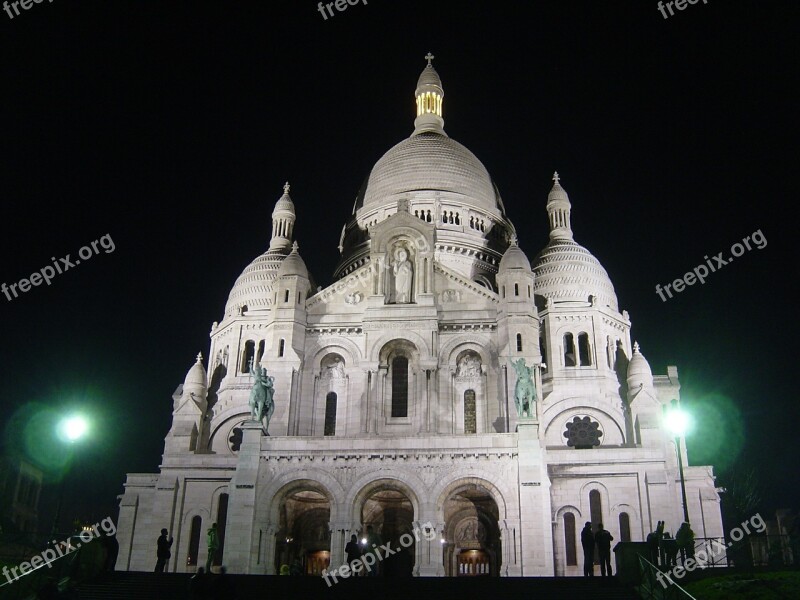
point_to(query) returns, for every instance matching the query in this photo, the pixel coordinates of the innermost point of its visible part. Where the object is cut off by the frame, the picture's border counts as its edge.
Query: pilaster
(241, 512)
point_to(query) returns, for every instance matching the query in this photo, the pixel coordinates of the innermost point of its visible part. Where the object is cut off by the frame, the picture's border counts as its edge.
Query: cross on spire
(429, 57)
(199, 357)
(286, 187)
(556, 177)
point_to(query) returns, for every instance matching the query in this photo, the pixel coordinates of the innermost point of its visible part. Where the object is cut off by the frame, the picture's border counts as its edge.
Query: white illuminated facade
(394, 403)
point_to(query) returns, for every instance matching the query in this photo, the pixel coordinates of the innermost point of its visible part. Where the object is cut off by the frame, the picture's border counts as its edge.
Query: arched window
(516, 289)
(400, 386)
(260, 353)
(286, 296)
(570, 543)
(529, 291)
(281, 347)
(519, 342)
(543, 350)
(595, 508)
(330, 414)
(624, 527)
(503, 290)
(569, 350)
(222, 518)
(194, 541)
(247, 355)
(584, 351)
(470, 414)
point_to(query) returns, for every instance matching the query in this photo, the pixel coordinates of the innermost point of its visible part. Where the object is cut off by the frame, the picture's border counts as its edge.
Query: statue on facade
(261, 403)
(403, 273)
(525, 390)
(336, 370)
(469, 366)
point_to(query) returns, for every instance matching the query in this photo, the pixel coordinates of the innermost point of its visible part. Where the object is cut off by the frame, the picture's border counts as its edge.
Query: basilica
(443, 383)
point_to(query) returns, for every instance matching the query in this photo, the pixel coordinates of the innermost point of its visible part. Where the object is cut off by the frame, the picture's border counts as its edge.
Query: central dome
(429, 161)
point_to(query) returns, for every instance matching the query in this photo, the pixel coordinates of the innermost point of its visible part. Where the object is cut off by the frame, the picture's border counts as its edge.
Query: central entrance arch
(387, 507)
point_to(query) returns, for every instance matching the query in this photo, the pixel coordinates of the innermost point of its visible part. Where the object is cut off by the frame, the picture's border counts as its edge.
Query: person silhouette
(587, 541)
(163, 551)
(603, 540)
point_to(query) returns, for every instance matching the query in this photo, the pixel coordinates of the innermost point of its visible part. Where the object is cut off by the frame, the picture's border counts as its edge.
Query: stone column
(368, 383)
(340, 534)
(126, 528)
(164, 508)
(428, 554)
(510, 541)
(380, 397)
(241, 506)
(267, 551)
(535, 507)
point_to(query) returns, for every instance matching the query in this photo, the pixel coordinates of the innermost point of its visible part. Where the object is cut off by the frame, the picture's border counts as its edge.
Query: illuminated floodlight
(678, 422)
(74, 428)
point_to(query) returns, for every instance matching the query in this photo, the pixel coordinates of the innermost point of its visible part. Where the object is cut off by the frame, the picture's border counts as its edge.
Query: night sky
(172, 126)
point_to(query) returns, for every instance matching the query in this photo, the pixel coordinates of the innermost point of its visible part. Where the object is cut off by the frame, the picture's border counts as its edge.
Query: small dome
(514, 258)
(566, 270)
(557, 193)
(639, 371)
(196, 377)
(284, 203)
(293, 265)
(251, 287)
(429, 77)
(429, 162)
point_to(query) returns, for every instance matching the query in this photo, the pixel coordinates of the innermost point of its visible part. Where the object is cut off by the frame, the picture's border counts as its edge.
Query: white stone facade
(394, 401)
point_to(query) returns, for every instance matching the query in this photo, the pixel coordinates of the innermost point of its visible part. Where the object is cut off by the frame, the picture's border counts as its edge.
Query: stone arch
(224, 423)
(448, 486)
(605, 499)
(410, 485)
(203, 513)
(477, 343)
(343, 346)
(635, 523)
(298, 533)
(416, 237)
(569, 508)
(377, 347)
(286, 483)
(471, 510)
(556, 415)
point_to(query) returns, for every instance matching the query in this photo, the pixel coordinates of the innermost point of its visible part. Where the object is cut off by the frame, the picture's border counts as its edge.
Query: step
(172, 586)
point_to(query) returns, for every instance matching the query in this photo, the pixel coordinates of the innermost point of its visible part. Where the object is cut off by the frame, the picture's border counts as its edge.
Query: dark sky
(172, 126)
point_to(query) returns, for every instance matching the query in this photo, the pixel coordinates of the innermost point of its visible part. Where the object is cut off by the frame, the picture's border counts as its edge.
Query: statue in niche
(403, 273)
(336, 370)
(525, 389)
(260, 402)
(469, 366)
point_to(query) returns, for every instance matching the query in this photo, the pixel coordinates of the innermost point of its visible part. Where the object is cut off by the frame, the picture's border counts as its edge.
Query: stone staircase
(152, 586)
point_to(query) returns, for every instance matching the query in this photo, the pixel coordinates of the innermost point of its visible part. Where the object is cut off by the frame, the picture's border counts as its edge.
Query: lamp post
(70, 430)
(678, 423)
